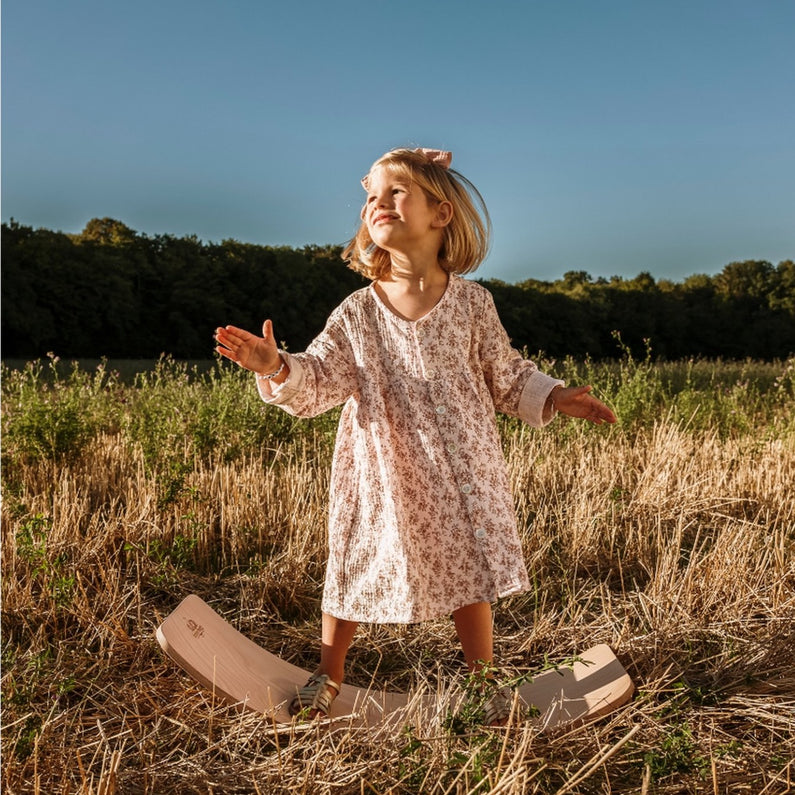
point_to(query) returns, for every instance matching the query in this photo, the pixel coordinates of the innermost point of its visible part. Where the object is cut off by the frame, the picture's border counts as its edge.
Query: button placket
(446, 424)
(427, 365)
(458, 464)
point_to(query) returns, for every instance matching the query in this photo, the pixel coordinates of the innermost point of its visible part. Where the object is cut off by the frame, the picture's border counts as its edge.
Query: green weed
(676, 753)
(32, 546)
(169, 558)
(47, 415)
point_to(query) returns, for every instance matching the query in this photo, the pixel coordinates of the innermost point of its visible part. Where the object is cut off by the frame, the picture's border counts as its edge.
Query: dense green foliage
(176, 415)
(112, 292)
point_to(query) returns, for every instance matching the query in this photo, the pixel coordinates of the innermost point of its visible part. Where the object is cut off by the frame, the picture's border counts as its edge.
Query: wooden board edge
(216, 691)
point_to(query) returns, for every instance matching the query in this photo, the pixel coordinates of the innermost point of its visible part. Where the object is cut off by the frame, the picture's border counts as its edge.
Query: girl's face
(400, 216)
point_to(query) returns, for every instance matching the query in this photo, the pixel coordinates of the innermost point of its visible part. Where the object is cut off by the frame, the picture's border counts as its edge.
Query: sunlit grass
(669, 536)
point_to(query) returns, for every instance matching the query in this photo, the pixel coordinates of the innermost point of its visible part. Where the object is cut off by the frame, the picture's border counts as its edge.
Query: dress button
(452, 447)
(480, 532)
(440, 409)
(430, 374)
(466, 488)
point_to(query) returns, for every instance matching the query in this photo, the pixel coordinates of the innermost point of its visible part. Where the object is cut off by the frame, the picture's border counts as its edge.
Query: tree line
(110, 291)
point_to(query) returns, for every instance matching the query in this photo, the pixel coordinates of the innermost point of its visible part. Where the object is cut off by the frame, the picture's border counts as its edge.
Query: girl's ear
(444, 214)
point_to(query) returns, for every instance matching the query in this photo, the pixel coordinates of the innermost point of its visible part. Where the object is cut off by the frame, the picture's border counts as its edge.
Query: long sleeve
(517, 386)
(322, 377)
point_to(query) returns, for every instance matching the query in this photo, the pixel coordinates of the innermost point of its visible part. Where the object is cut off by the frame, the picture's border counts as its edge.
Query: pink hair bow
(438, 156)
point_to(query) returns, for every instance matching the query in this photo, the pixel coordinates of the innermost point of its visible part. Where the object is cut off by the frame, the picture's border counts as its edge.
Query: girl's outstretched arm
(258, 354)
(576, 402)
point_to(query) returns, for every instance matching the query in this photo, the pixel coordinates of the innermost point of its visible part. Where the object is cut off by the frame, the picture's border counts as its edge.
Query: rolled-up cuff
(284, 393)
(534, 397)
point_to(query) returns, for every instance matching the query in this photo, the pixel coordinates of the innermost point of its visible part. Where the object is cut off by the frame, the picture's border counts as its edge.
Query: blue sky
(611, 137)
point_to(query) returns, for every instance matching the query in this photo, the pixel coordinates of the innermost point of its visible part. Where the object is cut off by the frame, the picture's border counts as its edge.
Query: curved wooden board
(595, 685)
(240, 672)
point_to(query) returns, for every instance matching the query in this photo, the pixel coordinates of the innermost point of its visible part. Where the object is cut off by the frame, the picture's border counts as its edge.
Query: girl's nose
(383, 198)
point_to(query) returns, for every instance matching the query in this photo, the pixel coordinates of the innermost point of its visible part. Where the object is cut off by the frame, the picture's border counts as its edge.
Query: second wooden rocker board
(240, 672)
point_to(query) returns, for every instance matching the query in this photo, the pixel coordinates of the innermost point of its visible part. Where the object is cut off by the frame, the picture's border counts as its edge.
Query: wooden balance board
(240, 672)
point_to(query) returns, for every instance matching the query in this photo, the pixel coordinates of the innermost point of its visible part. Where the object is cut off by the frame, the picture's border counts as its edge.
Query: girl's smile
(383, 217)
(400, 216)
(390, 198)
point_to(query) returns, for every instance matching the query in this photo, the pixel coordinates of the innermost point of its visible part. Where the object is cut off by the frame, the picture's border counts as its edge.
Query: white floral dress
(421, 516)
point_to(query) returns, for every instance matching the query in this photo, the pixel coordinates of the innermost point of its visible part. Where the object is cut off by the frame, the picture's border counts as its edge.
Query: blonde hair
(466, 238)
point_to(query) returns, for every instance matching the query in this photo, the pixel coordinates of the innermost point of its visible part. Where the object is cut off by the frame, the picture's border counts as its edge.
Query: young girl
(421, 518)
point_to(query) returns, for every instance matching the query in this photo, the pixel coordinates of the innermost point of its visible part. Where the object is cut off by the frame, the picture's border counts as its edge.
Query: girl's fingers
(267, 332)
(232, 333)
(226, 352)
(603, 414)
(592, 408)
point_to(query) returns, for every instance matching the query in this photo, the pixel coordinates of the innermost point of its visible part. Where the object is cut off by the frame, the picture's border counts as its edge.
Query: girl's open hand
(576, 402)
(258, 354)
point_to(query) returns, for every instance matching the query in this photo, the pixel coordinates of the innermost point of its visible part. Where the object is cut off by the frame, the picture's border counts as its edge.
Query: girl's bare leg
(473, 624)
(337, 635)
(475, 631)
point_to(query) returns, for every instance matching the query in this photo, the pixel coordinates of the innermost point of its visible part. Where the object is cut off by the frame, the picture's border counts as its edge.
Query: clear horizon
(612, 139)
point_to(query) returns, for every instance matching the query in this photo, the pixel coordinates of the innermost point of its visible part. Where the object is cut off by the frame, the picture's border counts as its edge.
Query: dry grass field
(670, 536)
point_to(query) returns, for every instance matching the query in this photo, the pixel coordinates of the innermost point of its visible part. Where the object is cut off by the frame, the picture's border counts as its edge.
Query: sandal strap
(316, 694)
(498, 706)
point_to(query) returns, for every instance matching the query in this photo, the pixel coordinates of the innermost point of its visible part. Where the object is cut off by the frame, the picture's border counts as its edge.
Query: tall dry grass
(670, 537)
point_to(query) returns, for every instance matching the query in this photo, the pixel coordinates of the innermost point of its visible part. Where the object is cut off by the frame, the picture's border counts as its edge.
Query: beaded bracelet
(269, 376)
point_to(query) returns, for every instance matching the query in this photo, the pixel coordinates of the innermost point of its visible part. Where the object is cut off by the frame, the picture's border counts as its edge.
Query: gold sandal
(498, 706)
(315, 696)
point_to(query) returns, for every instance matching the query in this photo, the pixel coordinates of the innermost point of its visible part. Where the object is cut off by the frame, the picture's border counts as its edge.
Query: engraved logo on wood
(197, 630)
